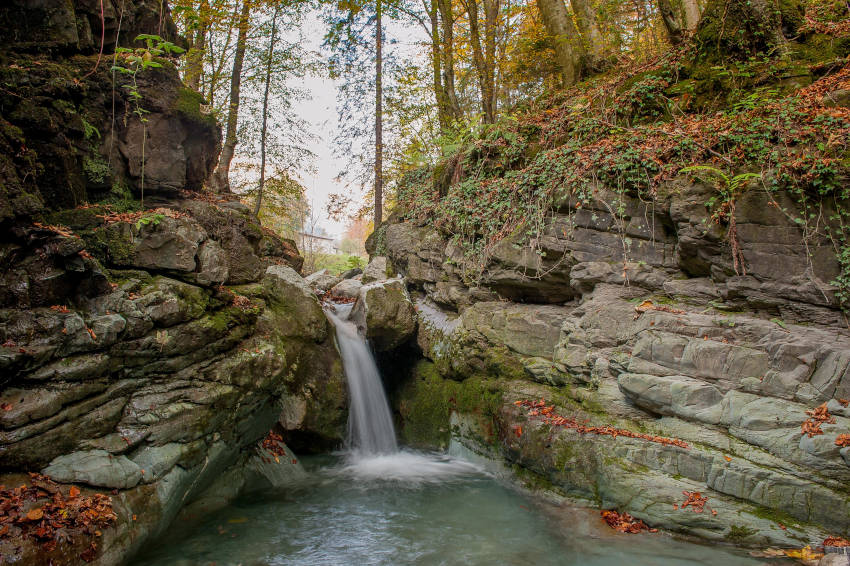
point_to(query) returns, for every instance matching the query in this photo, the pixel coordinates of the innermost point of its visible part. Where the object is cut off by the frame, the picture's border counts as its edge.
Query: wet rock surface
(162, 378)
(384, 312)
(664, 340)
(146, 349)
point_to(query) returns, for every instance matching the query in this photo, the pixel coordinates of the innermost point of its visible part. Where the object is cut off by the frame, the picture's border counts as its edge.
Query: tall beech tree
(567, 43)
(356, 38)
(264, 127)
(220, 182)
(484, 58)
(379, 116)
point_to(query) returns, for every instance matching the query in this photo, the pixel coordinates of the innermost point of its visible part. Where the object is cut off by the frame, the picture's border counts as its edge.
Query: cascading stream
(370, 424)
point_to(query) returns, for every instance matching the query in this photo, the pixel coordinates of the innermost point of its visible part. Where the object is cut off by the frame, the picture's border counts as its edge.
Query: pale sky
(320, 110)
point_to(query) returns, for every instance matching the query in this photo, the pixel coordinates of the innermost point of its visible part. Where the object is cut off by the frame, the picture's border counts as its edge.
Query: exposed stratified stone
(384, 311)
(97, 468)
(378, 269)
(347, 288)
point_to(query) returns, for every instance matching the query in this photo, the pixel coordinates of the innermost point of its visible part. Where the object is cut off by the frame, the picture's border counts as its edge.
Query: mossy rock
(426, 401)
(739, 29)
(188, 106)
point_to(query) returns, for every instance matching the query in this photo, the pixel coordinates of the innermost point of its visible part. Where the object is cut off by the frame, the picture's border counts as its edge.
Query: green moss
(196, 299)
(534, 481)
(137, 277)
(113, 245)
(739, 533)
(221, 321)
(425, 404)
(774, 515)
(188, 105)
(76, 218)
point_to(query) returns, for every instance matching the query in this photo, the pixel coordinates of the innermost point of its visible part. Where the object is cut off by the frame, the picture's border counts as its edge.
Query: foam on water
(408, 467)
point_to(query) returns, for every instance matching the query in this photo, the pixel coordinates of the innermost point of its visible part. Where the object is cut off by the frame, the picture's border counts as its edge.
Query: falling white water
(373, 452)
(370, 424)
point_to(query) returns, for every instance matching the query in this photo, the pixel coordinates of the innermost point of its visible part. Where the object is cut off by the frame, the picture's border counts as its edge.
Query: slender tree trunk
(195, 55)
(263, 129)
(218, 60)
(560, 26)
(593, 41)
(443, 111)
(379, 180)
(491, 22)
(478, 58)
(220, 180)
(448, 22)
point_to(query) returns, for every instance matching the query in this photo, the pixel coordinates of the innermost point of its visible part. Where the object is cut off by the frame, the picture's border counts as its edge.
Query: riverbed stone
(347, 288)
(378, 269)
(322, 280)
(384, 312)
(97, 468)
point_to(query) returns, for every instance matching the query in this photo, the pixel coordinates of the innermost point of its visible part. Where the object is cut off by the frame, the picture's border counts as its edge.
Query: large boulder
(347, 289)
(322, 280)
(379, 269)
(383, 310)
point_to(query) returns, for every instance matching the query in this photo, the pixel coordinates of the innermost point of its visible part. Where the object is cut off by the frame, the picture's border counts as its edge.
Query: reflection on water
(411, 508)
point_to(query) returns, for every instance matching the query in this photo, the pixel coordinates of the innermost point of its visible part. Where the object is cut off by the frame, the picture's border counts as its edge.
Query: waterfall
(370, 424)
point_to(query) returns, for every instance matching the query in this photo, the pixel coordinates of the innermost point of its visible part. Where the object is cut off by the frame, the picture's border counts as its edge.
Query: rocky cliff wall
(156, 355)
(71, 129)
(670, 371)
(146, 357)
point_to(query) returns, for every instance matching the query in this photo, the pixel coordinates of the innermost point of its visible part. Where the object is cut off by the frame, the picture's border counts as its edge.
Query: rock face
(664, 340)
(377, 270)
(75, 136)
(149, 377)
(347, 289)
(147, 348)
(322, 281)
(383, 311)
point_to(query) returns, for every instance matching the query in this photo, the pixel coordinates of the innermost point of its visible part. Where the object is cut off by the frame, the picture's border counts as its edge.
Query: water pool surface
(411, 508)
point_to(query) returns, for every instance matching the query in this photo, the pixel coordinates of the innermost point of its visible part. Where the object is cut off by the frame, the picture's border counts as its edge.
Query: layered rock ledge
(640, 323)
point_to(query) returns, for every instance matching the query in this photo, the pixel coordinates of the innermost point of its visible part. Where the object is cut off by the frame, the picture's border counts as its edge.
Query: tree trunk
(593, 41)
(379, 179)
(560, 26)
(448, 22)
(491, 22)
(263, 129)
(443, 111)
(740, 29)
(195, 55)
(691, 13)
(478, 58)
(680, 17)
(220, 180)
(671, 21)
